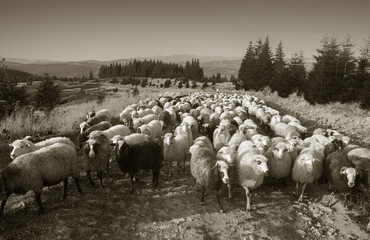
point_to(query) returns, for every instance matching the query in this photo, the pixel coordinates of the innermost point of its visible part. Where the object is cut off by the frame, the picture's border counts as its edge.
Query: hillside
(20, 76)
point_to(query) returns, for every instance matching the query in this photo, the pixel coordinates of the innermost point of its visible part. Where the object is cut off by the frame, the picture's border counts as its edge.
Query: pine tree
(363, 75)
(298, 73)
(323, 85)
(277, 81)
(247, 68)
(11, 96)
(48, 94)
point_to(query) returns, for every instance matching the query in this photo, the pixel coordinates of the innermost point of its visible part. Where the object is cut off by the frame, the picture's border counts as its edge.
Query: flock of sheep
(219, 134)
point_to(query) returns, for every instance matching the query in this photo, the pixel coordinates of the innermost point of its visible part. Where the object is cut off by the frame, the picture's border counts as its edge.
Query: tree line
(152, 69)
(337, 75)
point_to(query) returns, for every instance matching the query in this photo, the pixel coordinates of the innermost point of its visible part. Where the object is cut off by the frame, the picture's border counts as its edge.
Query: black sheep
(146, 155)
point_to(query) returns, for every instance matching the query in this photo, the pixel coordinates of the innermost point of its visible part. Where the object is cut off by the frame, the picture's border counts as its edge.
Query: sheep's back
(45, 167)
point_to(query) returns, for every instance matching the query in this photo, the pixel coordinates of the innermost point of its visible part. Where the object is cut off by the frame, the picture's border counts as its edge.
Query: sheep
(193, 124)
(125, 115)
(300, 129)
(251, 169)
(307, 168)
(285, 130)
(104, 125)
(228, 154)
(203, 141)
(221, 137)
(175, 148)
(165, 118)
(144, 155)
(131, 139)
(99, 117)
(280, 163)
(137, 122)
(22, 146)
(153, 130)
(44, 167)
(97, 153)
(320, 131)
(115, 130)
(250, 146)
(236, 139)
(288, 118)
(184, 129)
(360, 157)
(208, 171)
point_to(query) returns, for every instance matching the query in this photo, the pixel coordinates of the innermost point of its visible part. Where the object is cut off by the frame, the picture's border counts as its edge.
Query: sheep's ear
(359, 172)
(10, 144)
(342, 170)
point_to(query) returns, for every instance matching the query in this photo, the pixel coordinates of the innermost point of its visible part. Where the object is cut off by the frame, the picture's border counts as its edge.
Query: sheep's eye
(258, 162)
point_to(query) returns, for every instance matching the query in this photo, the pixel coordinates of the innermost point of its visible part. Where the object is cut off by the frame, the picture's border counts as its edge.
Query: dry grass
(347, 118)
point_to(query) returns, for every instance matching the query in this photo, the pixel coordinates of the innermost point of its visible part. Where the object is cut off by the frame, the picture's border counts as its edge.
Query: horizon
(73, 31)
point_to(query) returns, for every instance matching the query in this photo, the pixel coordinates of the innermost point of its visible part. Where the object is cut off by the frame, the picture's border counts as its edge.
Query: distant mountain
(211, 65)
(20, 76)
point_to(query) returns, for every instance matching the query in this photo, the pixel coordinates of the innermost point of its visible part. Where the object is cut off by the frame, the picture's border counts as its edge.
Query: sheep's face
(223, 167)
(261, 165)
(351, 174)
(168, 137)
(137, 123)
(228, 154)
(20, 147)
(91, 148)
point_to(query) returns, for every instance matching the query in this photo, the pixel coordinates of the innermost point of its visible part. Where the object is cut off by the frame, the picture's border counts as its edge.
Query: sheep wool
(45, 167)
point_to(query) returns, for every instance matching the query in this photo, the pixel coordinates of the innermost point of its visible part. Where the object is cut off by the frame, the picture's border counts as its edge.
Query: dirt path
(173, 211)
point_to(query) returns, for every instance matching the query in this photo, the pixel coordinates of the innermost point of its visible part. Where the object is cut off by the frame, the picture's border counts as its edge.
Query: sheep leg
(155, 178)
(170, 174)
(248, 195)
(89, 177)
(229, 190)
(202, 197)
(300, 199)
(65, 183)
(3, 203)
(100, 176)
(219, 202)
(38, 200)
(132, 183)
(77, 181)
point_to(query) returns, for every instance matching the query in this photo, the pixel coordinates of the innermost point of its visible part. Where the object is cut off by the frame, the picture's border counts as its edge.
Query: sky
(74, 30)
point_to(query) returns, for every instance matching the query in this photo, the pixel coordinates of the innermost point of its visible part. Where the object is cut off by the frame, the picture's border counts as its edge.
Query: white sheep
(208, 171)
(33, 171)
(184, 129)
(137, 122)
(175, 148)
(280, 163)
(97, 153)
(228, 154)
(307, 168)
(102, 115)
(236, 139)
(302, 130)
(193, 124)
(23, 146)
(115, 130)
(125, 115)
(286, 131)
(221, 137)
(251, 169)
(153, 130)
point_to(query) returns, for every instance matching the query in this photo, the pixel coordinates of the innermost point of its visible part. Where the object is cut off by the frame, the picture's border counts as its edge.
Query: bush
(48, 94)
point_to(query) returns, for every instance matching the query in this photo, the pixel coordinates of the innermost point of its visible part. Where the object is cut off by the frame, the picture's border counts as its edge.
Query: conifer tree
(247, 68)
(48, 94)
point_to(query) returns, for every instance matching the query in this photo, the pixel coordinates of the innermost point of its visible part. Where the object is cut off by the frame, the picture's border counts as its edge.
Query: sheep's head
(228, 154)
(337, 144)
(168, 137)
(351, 174)
(84, 126)
(223, 167)
(20, 147)
(280, 149)
(261, 162)
(91, 148)
(137, 122)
